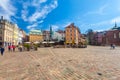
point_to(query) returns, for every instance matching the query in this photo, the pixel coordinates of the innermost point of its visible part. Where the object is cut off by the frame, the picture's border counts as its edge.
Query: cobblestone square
(91, 63)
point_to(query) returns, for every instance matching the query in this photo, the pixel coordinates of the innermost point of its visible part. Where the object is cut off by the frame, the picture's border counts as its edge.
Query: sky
(98, 15)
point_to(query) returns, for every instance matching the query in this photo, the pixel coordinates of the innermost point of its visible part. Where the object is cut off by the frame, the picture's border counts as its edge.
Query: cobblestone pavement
(92, 63)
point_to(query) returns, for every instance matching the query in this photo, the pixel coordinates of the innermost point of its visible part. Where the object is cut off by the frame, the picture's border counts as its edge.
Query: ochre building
(35, 36)
(72, 34)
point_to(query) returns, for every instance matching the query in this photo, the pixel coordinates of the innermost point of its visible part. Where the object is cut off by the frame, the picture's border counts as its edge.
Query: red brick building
(112, 36)
(97, 38)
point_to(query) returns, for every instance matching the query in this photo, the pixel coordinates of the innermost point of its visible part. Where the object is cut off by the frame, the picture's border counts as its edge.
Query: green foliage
(35, 46)
(27, 46)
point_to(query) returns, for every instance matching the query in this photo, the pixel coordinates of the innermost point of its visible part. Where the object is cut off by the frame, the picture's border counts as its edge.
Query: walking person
(113, 46)
(9, 48)
(20, 48)
(2, 50)
(13, 47)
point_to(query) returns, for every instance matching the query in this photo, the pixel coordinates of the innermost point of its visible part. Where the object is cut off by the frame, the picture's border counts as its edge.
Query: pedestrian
(2, 50)
(13, 47)
(113, 46)
(9, 48)
(20, 48)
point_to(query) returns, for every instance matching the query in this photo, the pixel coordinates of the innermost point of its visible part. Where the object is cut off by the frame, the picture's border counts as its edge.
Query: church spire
(50, 32)
(115, 24)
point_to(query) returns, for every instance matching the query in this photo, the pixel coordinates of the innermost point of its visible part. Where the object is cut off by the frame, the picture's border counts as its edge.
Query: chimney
(1, 17)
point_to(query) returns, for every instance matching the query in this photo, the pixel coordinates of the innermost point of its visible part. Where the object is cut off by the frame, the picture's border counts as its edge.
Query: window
(75, 34)
(114, 35)
(0, 31)
(119, 34)
(0, 26)
(70, 29)
(0, 38)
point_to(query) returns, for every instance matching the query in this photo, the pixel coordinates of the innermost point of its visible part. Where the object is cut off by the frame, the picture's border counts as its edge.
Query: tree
(90, 34)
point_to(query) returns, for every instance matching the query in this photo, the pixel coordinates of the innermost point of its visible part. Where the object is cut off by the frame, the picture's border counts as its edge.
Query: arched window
(114, 35)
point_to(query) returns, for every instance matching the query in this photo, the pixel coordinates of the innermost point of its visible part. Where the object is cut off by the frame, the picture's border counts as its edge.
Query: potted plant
(27, 47)
(35, 47)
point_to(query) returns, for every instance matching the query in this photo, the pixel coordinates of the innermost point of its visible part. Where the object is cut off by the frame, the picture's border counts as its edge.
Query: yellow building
(6, 32)
(35, 36)
(72, 34)
(15, 34)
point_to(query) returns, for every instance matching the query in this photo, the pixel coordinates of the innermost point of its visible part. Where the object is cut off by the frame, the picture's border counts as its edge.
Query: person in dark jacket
(2, 50)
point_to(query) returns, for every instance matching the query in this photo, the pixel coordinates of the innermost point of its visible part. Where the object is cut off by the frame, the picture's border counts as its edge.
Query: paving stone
(91, 63)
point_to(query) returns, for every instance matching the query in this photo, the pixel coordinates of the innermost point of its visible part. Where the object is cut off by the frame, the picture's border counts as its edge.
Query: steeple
(1, 17)
(115, 25)
(50, 32)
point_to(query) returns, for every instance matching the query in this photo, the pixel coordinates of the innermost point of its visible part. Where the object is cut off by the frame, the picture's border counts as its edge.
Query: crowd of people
(10, 49)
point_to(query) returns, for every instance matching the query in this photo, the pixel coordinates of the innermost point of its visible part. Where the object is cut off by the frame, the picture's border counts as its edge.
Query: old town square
(59, 39)
(91, 63)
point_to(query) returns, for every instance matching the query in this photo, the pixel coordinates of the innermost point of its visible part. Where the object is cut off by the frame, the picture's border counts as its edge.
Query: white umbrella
(44, 42)
(51, 42)
(36, 42)
(27, 42)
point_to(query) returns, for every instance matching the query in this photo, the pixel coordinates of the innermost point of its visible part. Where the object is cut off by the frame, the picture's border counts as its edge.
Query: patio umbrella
(28, 42)
(44, 42)
(51, 42)
(36, 42)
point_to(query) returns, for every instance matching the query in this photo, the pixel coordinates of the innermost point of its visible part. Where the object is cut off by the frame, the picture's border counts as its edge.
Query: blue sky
(40, 14)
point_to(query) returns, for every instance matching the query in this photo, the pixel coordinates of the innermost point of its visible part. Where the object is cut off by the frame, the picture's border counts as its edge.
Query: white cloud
(33, 26)
(99, 11)
(103, 25)
(42, 13)
(7, 9)
(55, 27)
(24, 15)
(38, 2)
(117, 19)
(67, 24)
(111, 21)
